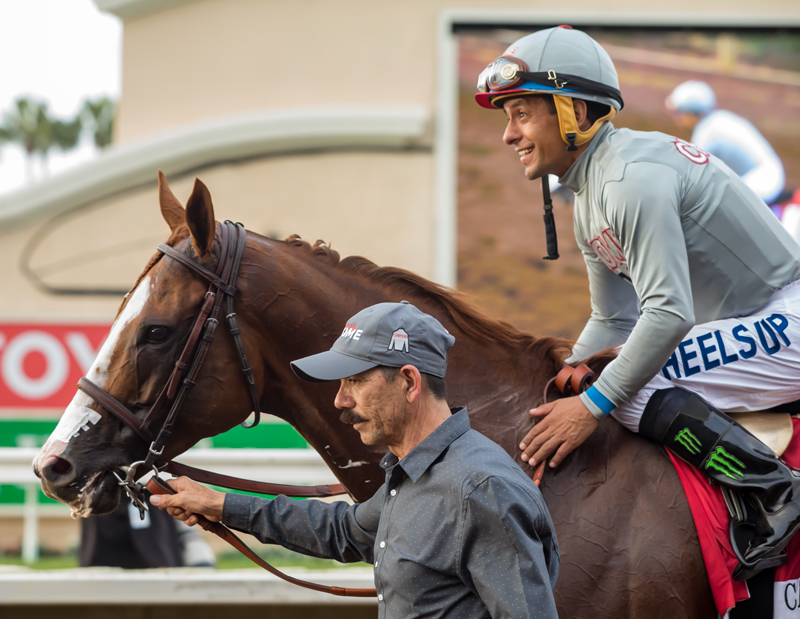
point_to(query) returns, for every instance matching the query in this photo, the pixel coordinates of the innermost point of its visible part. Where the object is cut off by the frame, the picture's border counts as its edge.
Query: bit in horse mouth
(82, 506)
(88, 488)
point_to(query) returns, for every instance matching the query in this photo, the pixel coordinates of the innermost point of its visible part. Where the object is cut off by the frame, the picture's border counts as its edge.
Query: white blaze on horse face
(78, 415)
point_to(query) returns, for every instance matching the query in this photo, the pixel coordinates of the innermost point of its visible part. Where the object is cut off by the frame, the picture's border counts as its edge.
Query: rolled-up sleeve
(509, 551)
(338, 530)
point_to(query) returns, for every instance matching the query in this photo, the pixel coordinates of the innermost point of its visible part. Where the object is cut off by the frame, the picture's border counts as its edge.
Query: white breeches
(737, 364)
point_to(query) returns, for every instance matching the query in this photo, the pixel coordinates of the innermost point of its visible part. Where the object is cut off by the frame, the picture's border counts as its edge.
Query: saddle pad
(711, 520)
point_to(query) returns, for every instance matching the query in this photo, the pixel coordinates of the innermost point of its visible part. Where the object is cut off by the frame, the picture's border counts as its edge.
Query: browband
(197, 268)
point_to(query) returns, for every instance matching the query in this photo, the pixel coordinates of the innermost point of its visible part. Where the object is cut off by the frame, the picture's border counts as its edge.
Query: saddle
(774, 429)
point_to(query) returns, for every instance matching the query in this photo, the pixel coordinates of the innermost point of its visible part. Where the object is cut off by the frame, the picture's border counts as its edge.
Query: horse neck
(499, 382)
(295, 305)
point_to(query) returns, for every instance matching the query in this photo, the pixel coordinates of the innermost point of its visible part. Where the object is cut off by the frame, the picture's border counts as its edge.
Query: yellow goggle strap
(568, 124)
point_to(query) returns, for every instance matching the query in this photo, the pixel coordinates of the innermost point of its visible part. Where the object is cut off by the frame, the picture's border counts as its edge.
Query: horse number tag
(399, 341)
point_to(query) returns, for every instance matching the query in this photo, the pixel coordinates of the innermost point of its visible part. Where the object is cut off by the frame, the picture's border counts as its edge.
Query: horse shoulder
(627, 540)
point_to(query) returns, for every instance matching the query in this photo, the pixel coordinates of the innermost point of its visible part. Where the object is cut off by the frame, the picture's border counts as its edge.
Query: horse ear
(200, 217)
(171, 209)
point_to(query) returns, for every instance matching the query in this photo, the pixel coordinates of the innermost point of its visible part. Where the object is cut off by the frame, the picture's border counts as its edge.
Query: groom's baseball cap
(389, 334)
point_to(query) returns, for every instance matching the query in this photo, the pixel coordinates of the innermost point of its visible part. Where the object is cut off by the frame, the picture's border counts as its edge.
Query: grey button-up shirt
(457, 530)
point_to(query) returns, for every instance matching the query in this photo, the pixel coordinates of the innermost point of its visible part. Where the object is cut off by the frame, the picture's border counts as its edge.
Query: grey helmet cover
(561, 51)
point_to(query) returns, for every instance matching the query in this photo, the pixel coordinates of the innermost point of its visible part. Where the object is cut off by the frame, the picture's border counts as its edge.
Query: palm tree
(29, 125)
(67, 133)
(99, 115)
(4, 137)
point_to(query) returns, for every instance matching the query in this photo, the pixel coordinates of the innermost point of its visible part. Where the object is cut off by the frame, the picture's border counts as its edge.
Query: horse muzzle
(86, 493)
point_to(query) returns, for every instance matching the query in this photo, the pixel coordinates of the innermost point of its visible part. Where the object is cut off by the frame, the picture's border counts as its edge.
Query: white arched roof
(260, 134)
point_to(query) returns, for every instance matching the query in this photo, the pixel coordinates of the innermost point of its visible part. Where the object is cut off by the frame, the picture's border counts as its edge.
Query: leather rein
(221, 289)
(569, 381)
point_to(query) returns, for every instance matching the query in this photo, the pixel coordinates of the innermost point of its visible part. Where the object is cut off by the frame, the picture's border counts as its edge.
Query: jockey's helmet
(692, 97)
(565, 63)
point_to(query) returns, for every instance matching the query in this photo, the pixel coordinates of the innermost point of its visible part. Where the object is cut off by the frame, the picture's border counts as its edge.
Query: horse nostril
(61, 466)
(58, 471)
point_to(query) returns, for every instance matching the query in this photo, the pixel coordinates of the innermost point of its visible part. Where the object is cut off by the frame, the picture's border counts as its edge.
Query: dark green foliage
(99, 114)
(30, 124)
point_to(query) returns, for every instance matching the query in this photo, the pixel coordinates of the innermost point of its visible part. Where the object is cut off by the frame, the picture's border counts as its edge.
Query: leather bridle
(221, 289)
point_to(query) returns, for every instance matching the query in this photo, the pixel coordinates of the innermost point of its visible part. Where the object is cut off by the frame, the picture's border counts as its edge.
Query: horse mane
(463, 314)
(454, 304)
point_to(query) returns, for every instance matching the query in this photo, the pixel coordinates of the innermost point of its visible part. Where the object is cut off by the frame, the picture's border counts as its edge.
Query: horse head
(78, 461)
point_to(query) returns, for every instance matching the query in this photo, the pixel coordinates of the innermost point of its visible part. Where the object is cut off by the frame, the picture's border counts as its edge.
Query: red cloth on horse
(712, 520)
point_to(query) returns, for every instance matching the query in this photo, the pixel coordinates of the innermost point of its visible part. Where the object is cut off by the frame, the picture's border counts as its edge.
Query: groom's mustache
(349, 417)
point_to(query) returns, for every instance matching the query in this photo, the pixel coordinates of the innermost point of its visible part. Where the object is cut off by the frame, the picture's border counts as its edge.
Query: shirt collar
(425, 454)
(578, 172)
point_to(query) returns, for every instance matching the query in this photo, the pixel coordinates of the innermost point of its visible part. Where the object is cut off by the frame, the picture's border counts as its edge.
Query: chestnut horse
(628, 543)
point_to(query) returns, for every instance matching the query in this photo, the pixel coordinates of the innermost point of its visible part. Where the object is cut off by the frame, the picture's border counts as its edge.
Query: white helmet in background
(692, 97)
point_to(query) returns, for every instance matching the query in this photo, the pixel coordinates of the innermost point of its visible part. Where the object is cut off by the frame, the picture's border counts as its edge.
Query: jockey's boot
(716, 445)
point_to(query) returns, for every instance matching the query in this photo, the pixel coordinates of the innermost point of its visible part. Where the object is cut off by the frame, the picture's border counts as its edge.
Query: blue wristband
(601, 401)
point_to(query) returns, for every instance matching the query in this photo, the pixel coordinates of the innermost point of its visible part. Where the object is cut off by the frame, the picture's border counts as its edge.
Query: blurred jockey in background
(730, 137)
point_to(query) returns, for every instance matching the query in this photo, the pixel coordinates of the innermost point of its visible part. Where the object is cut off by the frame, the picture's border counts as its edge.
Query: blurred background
(754, 73)
(348, 121)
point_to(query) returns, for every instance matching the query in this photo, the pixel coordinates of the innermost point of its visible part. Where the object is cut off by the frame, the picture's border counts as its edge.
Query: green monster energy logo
(720, 460)
(688, 440)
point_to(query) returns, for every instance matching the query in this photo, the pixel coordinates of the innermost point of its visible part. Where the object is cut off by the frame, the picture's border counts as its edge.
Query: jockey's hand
(564, 425)
(192, 499)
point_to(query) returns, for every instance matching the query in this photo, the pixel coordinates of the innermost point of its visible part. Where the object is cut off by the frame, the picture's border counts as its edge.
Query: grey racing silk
(671, 238)
(457, 530)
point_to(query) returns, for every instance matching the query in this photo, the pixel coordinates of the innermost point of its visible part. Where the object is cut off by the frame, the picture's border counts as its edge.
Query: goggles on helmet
(508, 72)
(502, 74)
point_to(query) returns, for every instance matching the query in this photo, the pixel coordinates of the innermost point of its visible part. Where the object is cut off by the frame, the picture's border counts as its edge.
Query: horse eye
(157, 334)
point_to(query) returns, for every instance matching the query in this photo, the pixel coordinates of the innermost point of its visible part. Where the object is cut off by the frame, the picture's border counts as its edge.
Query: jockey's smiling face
(534, 133)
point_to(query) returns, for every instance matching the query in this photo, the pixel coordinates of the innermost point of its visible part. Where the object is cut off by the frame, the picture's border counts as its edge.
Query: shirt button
(393, 492)
(383, 544)
(380, 597)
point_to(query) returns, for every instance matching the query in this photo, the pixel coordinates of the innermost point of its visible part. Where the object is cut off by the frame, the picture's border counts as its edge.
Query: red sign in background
(41, 364)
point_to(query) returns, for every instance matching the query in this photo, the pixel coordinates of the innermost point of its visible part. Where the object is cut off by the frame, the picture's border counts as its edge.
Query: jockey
(728, 136)
(689, 272)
